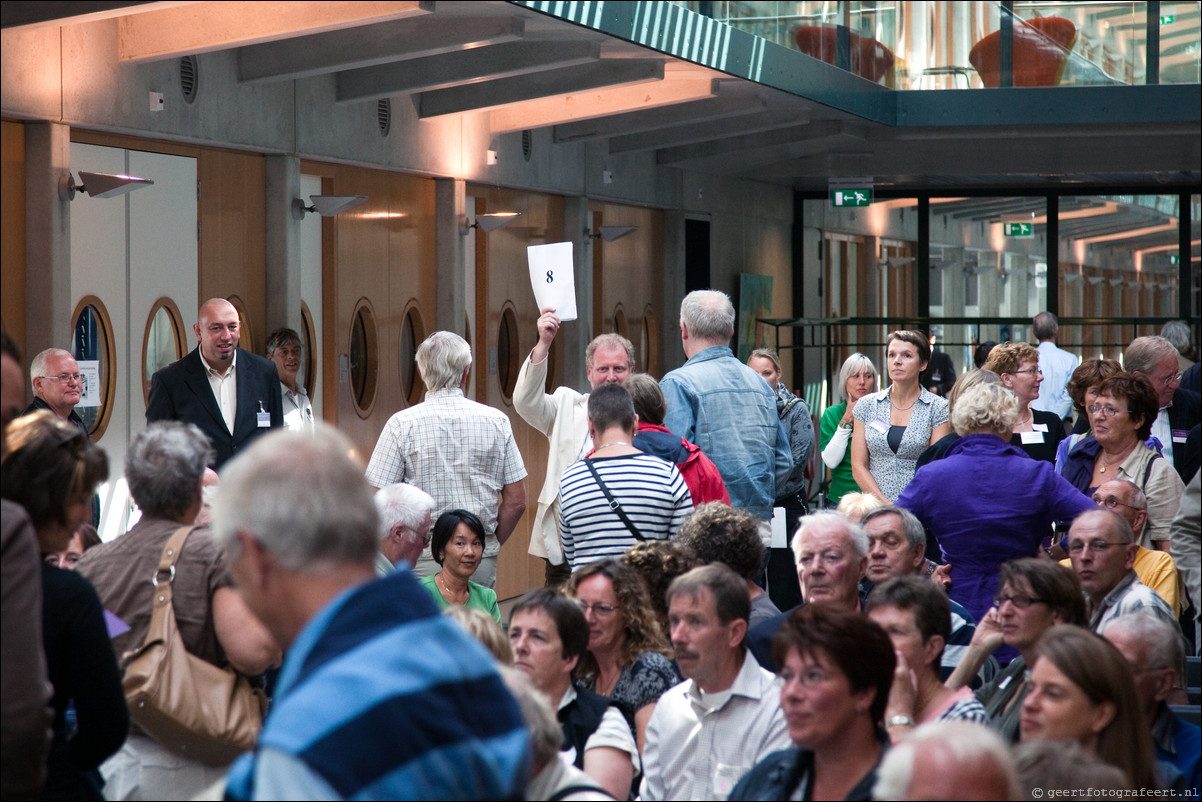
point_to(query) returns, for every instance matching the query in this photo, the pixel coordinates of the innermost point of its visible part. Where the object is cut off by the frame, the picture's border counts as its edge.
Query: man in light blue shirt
(1057, 366)
(723, 406)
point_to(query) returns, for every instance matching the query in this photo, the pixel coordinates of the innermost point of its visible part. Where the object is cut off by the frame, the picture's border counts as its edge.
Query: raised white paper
(552, 277)
(90, 370)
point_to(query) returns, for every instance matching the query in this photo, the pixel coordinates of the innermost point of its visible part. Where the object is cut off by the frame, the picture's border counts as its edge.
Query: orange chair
(1041, 48)
(869, 58)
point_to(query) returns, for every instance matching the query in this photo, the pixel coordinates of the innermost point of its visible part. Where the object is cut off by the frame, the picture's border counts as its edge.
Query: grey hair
(1160, 639)
(854, 365)
(37, 367)
(1144, 352)
(303, 498)
(546, 735)
(958, 744)
(281, 337)
(985, 408)
(402, 503)
(442, 357)
(708, 315)
(826, 520)
(1136, 497)
(1045, 326)
(164, 465)
(1177, 332)
(915, 532)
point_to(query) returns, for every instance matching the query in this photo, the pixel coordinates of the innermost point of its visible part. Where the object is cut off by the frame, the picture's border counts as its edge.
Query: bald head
(217, 329)
(1126, 499)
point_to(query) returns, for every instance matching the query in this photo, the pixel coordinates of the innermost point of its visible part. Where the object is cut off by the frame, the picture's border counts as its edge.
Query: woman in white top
(894, 426)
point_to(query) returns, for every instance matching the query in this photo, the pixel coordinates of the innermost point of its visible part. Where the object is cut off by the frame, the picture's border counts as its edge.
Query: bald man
(231, 394)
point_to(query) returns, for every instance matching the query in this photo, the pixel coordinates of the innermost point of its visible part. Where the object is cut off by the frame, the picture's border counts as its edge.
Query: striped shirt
(650, 490)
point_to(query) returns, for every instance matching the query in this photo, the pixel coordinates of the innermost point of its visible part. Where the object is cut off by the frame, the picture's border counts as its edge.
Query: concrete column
(450, 206)
(47, 237)
(577, 335)
(282, 240)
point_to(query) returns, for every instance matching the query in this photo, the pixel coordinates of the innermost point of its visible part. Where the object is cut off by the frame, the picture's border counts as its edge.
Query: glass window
(647, 348)
(412, 335)
(246, 338)
(507, 352)
(308, 334)
(364, 358)
(92, 347)
(163, 342)
(620, 321)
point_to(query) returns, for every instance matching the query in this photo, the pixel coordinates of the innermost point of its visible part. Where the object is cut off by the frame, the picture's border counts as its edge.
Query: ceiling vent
(527, 144)
(384, 116)
(189, 78)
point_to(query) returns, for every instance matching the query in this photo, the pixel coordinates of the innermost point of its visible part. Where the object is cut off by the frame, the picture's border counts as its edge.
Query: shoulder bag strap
(1148, 469)
(613, 502)
(160, 600)
(788, 405)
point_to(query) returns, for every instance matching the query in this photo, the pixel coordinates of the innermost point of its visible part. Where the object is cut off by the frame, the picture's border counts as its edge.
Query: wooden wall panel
(232, 210)
(628, 275)
(12, 231)
(503, 280)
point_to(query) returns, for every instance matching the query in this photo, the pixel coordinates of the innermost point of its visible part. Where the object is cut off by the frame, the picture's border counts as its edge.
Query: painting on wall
(755, 301)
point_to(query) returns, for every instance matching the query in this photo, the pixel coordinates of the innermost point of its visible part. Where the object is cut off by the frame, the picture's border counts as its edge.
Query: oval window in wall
(507, 352)
(246, 340)
(163, 342)
(308, 334)
(364, 358)
(412, 335)
(620, 321)
(648, 345)
(92, 346)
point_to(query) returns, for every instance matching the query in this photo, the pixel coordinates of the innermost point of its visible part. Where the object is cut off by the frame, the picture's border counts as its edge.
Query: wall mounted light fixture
(488, 222)
(99, 185)
(611, 233)
(326, 205)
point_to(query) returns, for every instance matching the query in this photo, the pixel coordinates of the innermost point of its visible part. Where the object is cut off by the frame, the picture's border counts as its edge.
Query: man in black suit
(1155, 358)
(231, 394)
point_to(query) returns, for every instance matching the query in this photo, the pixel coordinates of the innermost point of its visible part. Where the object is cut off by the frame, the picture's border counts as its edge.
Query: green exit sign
(1174, 258)
(851, 197)
(1019, 229)
(1168, 19)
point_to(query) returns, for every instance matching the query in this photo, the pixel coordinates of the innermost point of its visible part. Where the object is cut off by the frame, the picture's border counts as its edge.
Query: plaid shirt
(460, 452)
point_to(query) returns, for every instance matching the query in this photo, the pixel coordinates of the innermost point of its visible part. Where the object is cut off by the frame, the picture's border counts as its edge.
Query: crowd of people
(998, 604)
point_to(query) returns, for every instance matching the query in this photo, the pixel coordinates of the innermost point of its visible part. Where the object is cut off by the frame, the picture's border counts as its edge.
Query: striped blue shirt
(650, 491)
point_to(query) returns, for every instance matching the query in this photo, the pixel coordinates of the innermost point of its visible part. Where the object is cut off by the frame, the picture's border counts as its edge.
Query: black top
(83, 670)
(1046, 449)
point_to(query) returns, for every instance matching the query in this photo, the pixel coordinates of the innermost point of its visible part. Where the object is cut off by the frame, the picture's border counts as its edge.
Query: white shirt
(699, 745)
(298, 412)
(1057, 366)
(225, 389)
(1163, 432)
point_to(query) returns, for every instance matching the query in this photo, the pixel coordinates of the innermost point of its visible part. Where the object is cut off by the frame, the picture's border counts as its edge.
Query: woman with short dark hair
(457, 545)
(836, 669)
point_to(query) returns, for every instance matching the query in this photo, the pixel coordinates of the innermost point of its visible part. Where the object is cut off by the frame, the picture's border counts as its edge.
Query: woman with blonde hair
(857, 378)
(1036, 432)
(628, 657)
(987, 502)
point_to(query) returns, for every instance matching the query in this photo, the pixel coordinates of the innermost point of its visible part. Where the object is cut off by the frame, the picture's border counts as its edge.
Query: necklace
(447, 589)
(1112, 463)
(614, 443)
(901, 408)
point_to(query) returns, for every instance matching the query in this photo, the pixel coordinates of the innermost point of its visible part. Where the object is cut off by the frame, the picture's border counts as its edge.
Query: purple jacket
(988, 502)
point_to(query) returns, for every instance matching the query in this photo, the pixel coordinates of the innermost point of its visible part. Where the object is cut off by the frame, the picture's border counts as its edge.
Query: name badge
(263, 420)
(1039, 427)
(1031, 437)
(880, 426)
(1180, 435)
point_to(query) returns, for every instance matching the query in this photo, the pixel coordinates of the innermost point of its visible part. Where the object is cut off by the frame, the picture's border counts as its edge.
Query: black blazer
(1184, 415)
(181, 391)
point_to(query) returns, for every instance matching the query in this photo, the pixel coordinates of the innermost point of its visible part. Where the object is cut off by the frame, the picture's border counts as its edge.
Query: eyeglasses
(1019, 600)
(808, 678)
(64, 377)
(1167, 380)
(1110, 502)
(1032, 371)
(1096, 546)
(600, 610)
(1105, 412)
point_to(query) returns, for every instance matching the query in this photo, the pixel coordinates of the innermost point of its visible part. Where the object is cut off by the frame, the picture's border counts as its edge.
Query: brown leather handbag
(187, 704)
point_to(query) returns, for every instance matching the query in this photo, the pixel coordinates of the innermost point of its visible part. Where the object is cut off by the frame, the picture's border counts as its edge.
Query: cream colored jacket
(563, 418)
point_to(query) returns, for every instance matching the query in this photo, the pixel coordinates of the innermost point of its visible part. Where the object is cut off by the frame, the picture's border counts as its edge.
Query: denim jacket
(727, 409)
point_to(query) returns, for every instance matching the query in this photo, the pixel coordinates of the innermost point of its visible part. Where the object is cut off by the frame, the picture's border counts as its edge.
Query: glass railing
(963, 45)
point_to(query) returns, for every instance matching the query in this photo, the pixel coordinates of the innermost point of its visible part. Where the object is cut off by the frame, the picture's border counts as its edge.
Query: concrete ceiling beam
(637, 122)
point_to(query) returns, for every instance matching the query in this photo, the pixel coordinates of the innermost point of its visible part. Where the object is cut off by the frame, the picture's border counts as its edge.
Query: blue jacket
(381, 697)
(727, 409)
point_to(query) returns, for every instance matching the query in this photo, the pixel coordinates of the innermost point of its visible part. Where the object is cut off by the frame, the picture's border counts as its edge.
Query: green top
(842, 482)
(478, 597)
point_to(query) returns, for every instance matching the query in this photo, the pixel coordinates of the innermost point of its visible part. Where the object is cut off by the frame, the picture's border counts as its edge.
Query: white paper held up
(553, 279)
